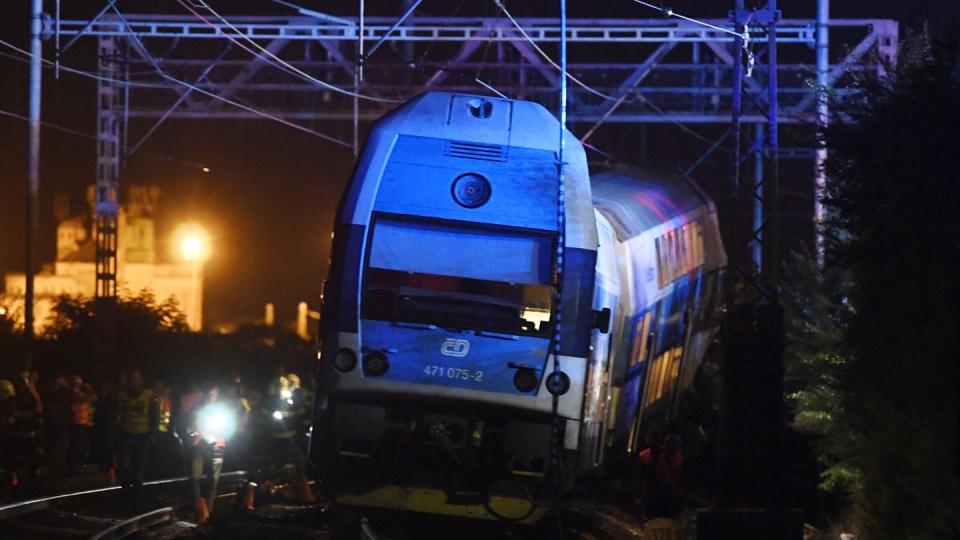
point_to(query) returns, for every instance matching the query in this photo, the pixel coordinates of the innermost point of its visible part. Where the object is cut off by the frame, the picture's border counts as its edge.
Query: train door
(605, 299)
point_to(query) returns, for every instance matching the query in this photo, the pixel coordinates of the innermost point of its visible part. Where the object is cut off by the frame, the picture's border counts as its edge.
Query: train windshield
(455, 277)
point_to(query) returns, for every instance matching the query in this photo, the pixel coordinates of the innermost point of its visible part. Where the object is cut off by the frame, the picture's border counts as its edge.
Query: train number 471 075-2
(474, 375)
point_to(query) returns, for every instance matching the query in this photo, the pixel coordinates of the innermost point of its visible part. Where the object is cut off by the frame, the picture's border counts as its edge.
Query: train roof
(453, 116)
(636, 199)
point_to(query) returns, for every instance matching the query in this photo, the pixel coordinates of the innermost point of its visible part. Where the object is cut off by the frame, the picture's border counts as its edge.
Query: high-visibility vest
(135, 412)
(163, 405)
(82, 413)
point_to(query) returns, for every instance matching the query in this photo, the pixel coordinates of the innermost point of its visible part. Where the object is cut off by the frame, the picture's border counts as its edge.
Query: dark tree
(894, 220)
(102, 337)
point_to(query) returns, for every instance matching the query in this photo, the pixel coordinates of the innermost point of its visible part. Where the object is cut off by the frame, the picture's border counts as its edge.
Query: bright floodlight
(217, 422)
(194, 243)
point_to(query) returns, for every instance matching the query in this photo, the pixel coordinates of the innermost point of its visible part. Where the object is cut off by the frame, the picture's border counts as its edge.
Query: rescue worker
(25, 436)
(57, 422)
(166, 446)
(286, 407)
(82, 398)
(138, 418)
(663, 471)
(8, 408)
(211, 422)
(238, 455)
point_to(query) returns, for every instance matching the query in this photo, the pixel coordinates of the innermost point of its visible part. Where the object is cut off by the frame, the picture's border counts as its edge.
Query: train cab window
(469, 279)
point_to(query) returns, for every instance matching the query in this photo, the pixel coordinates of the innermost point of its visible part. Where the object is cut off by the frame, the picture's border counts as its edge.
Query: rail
(135, 524)
(33, 505)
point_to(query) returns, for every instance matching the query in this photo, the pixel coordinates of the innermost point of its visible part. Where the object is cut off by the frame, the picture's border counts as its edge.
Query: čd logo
(457, 348)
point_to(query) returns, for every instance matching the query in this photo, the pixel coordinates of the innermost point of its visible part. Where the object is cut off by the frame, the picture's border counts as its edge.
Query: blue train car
(661, 255)
(439, 311)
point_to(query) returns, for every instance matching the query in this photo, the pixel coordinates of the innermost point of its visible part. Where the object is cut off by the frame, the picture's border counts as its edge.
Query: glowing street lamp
(194, 244)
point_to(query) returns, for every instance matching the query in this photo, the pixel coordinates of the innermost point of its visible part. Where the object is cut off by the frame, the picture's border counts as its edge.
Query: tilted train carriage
(438, 318)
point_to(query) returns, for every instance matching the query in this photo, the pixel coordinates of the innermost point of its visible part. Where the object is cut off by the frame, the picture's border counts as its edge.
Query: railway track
(93, 513)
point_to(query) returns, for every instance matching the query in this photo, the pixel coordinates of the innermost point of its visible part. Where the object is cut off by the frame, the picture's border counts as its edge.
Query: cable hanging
(272, 58)
(140, 84)
(745, 36)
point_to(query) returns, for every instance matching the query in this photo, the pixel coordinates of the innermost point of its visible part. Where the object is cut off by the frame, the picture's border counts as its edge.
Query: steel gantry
(303, 71)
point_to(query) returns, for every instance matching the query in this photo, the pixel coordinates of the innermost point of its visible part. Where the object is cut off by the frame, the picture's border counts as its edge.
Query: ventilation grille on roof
(472, 150)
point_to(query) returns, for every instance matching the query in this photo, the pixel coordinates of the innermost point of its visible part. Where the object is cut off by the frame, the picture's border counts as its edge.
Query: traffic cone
(250, 497)
(112, 474)
(203, 514)
(14, 479)
(305, 494)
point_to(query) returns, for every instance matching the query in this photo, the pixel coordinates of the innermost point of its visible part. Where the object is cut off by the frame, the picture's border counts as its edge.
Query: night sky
(271, 191)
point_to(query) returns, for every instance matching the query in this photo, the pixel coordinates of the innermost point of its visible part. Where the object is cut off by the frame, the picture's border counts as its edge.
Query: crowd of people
(132, 431)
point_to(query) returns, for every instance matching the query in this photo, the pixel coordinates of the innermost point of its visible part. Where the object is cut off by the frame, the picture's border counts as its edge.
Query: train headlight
(558, 383)
(345, 360)
(525, 379)
(471, 190)
(375, 364)
(216, 421)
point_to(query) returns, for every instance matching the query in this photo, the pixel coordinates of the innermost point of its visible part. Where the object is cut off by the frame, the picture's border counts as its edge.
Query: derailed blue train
(438, 316)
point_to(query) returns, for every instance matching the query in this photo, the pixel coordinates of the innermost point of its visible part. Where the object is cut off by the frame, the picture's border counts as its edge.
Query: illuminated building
(138, 265)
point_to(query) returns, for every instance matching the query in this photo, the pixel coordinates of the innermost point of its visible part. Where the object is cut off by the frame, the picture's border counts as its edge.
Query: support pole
(823, 68)
(357, 78)
(733, 197)
(772, 277)
(757, 241)
(33, 178)
(109, 132)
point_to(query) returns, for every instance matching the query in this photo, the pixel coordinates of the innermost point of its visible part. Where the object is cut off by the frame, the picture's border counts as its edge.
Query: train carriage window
(685, 250)
(660, 266)
(701, 257)
(692, 244)
(640, 340)
(663, 375)
(671, 258)
(677, 257)
(692, 238)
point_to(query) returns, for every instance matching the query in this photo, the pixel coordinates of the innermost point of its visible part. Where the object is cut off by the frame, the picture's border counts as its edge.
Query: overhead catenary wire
(671, 13)
(56, 127)
(271, 57)
(142, 84)
(745, 35)
(50, 64)
(315, 14)
(93, 138)
(588, 88)
(546, 56)
(165, 75)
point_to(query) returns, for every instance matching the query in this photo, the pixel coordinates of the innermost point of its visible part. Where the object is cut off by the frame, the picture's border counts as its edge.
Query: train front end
(439, 312)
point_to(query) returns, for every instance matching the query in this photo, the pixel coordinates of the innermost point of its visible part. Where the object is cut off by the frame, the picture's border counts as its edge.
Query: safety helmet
(7, 390)
(278, 384)
(294, 380)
